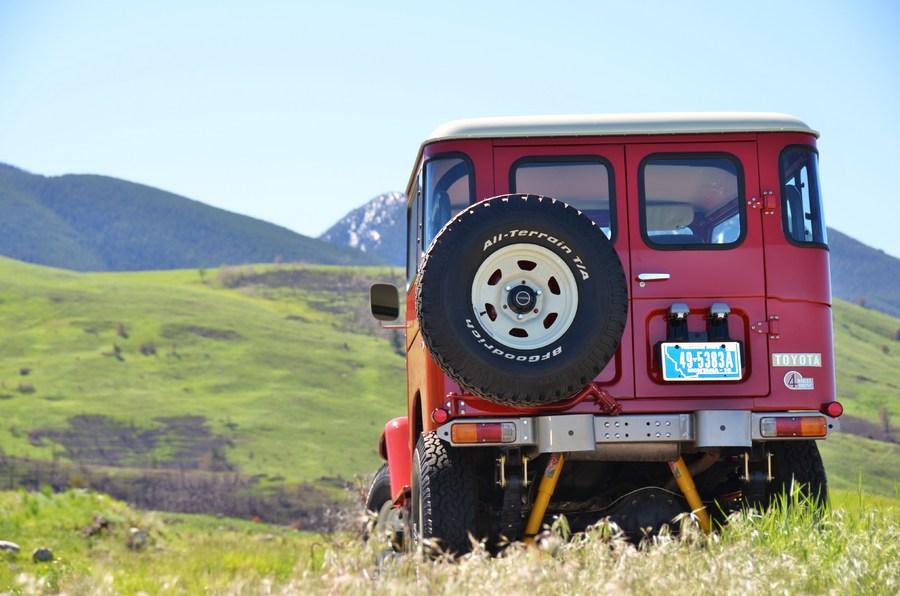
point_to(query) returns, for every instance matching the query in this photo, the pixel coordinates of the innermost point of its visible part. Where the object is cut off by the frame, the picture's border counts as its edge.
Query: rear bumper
(574, 433)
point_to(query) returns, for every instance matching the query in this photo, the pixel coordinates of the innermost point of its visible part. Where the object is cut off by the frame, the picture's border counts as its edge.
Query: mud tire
(443, 498)
(797, 462)
(383, 519)
(468, 319)
(379, 491)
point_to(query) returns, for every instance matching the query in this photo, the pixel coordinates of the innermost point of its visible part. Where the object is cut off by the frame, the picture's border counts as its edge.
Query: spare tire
(522, 300)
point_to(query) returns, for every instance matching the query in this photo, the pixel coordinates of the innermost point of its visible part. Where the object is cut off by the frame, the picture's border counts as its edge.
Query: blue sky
(297, 112)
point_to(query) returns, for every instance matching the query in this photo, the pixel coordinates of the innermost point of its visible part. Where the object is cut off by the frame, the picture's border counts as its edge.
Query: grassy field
(854, 462)
(193, 370)
(853, 549)
(867, 353)
(277, 373)
(274, 372)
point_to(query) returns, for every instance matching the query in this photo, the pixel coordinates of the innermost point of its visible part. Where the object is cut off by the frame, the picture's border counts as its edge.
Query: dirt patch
(175, 331)
(870, 430)
(314, 280)
(340, 293)
(208, 333)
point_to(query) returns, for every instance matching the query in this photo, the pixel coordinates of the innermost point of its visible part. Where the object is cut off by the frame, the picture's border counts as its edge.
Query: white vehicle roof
(620, 124)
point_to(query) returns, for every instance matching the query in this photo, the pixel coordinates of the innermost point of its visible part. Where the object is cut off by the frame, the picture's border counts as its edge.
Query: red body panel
(765, 276)
(396, 433)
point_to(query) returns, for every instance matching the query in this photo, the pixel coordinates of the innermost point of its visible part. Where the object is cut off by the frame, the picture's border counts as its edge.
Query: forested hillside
(863, 275)
(97, 223)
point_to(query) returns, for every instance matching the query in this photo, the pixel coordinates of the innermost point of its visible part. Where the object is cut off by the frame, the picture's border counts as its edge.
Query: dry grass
(853, 549)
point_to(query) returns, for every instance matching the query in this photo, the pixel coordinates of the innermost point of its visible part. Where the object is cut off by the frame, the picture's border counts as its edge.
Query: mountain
(864, 275)
(859, 273)
(98, 223)
(377, 228)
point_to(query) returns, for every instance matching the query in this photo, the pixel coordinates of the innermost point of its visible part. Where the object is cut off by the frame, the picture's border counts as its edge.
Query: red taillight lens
(794, 426)
(483, 432)
(440, 415)
(832, 408)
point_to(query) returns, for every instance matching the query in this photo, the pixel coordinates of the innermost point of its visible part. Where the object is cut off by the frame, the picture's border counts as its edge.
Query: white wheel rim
(520, 277)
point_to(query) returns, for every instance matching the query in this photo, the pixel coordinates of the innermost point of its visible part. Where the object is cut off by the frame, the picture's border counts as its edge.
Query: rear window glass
(691, 201)
(414, 230)
(448, 190)
(584, 183)
(800, 200)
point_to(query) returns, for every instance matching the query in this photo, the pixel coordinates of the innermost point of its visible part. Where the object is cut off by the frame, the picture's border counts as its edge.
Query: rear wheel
(385, 521)
(797, 468)
(443, 498)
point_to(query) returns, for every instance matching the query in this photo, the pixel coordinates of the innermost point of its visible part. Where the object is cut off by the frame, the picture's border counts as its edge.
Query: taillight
(795, 426)
(832, 408)
(483, 432)
(440, 415)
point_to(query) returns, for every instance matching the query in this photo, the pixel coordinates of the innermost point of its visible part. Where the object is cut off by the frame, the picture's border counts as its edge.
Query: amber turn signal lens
(483, 432)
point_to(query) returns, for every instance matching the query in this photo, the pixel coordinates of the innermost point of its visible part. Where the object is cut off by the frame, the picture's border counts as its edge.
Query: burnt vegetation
(231, 494)
(173, 443)
(178, 465)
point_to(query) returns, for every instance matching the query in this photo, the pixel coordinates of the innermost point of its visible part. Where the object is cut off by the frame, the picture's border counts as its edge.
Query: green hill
(220, 389)
(97, 223)
(273, 372)
(867, 352)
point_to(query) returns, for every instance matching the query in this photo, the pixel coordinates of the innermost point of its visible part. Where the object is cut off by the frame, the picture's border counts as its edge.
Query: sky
(298, 112)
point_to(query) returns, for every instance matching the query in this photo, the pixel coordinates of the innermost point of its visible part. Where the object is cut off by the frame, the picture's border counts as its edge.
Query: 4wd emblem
(795, 381)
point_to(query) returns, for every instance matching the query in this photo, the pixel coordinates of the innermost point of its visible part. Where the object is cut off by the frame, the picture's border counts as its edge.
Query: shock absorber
(686, 484)
(545, 491)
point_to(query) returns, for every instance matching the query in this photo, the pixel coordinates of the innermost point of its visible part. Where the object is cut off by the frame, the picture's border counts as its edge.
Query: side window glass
(583, 182)
(692, 201)
(448, 189)
(414, 230)
(800, 200)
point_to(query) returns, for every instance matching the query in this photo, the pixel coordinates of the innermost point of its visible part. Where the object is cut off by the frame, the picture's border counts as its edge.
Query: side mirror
(384, 301)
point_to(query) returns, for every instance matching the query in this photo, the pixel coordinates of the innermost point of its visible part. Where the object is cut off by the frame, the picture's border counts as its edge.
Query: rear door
(696, 242)
(590, 177)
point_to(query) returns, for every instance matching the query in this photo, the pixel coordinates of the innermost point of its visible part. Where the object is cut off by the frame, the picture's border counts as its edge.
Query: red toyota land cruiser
(609, 316)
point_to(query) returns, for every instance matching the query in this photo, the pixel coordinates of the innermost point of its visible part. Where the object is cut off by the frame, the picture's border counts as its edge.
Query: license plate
(701, 361)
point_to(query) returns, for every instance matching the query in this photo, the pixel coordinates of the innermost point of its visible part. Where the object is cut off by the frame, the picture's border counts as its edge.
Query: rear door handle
(653, 276)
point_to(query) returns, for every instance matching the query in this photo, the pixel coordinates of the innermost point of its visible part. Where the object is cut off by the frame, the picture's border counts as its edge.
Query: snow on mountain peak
(378, 228)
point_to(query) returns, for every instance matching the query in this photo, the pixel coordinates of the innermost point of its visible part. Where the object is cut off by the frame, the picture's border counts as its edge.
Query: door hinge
(766, 204)
(768, 327)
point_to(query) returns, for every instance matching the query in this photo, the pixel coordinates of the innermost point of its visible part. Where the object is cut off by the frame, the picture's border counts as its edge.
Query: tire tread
(448, 496)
